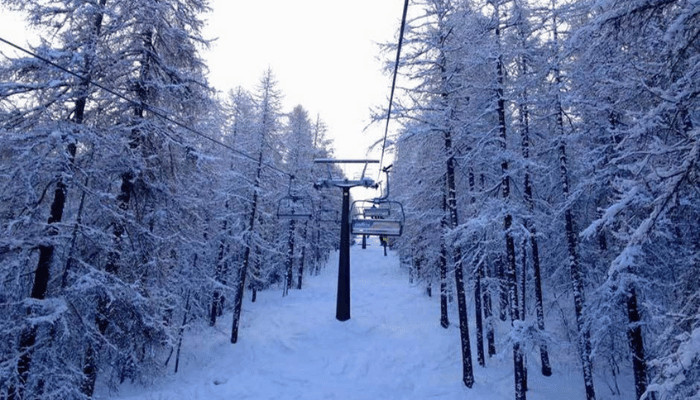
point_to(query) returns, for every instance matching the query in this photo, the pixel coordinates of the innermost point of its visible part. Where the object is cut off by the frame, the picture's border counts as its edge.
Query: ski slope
(392, 348)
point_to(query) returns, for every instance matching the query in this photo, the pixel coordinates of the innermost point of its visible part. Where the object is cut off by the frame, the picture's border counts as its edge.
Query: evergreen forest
(546, 154)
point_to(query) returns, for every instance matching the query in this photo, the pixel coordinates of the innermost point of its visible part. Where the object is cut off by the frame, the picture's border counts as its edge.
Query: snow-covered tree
(114, 184)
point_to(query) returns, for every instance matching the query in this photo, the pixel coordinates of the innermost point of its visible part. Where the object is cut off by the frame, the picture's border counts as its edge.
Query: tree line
(554, 145)
(136, 201)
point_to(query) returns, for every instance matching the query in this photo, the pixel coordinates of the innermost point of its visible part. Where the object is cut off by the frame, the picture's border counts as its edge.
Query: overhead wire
(393, 83)
(145, 106)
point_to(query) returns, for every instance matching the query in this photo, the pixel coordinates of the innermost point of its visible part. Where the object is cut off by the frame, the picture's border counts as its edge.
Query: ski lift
(372, 218)
(326, 214)
(378, 217)
(294, 206)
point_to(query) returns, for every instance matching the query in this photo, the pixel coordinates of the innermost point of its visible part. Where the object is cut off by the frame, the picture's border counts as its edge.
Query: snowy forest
(546, 156)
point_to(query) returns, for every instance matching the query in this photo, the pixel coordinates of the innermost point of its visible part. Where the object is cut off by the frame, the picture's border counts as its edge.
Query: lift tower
(342, 311)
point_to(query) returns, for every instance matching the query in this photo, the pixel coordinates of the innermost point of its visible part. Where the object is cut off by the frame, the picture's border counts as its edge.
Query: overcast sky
(324, 54)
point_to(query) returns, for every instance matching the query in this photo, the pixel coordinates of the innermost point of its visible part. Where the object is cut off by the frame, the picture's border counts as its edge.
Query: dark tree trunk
(523, 310)
(585, 347)
(529, 202)
(243, 270)
(488, 310)
(181, 332)
(303, 255)
(512, 282)
(70, 261)
(254, 278)
(502, 288)
(486, 289)
(478, 274)
(636, 343)
(518, 358)
(577, 283)
(290, 256)
(444, 318)
(87, 385)
(467, 369)
(217, 297)
(539, 306)
(478, 310)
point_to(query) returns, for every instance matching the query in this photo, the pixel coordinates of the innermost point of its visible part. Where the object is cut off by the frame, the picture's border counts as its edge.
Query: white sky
(324, 54)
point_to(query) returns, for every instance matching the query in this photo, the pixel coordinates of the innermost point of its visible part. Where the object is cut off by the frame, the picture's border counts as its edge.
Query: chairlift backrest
(377, 212)
(376, 227)
(295, 207)
(328, 215)
(372, 218)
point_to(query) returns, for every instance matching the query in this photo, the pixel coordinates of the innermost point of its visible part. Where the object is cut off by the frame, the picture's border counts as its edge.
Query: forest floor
(393, 347)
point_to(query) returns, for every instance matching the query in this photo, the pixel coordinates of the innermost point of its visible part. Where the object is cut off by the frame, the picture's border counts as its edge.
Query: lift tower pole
(342, 307)
(342, 310)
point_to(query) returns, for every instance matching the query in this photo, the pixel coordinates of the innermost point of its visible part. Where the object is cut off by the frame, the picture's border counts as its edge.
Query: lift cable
(144, 106)
(393, 83)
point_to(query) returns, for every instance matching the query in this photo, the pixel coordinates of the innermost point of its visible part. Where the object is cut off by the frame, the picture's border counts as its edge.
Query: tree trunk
(478, 265)
(636, 343)
(444, 318)
(467, 369)
(577, 283)
(529, 202)
(539, 306)
(518, 359)
(502, 288)
(243, 270)
(478, 307)
(585, 348)
(70, 261)
(486, 289)
(181, 332)
(290, 256)
(217, 297)
(488, 311)
(303, 255)
(523, 310)
(511, 276)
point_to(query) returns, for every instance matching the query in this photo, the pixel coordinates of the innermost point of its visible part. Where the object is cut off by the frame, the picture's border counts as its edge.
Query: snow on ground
(392, 348)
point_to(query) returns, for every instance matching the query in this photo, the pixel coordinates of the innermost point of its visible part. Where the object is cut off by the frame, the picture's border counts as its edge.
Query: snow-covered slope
(293, 348)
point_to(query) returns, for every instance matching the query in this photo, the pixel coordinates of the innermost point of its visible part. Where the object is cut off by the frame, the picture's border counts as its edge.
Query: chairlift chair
(326, 214)
(294, 207)
(377, 218)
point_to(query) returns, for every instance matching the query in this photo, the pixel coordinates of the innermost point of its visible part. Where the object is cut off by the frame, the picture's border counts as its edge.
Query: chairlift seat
(376, 227)
(294, 207)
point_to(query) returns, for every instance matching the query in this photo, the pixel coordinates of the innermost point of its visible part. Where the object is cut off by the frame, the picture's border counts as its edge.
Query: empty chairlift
(294, 206)
(377, 218)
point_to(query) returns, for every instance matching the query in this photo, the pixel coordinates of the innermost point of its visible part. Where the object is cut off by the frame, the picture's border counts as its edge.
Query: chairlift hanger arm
(345, 182)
